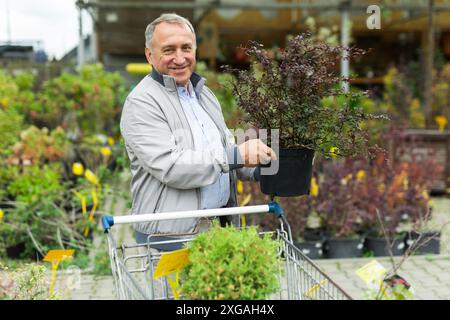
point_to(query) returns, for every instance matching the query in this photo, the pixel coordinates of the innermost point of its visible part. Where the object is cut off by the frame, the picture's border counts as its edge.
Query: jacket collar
(169, 82)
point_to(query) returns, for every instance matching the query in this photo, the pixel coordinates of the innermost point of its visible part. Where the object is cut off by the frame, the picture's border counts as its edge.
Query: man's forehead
(166, 29)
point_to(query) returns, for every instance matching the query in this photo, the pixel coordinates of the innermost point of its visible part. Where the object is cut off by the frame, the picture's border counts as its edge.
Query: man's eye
(167, 51)
(187, 49)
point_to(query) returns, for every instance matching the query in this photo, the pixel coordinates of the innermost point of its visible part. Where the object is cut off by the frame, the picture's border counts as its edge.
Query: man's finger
(264, 159)
(272, 154)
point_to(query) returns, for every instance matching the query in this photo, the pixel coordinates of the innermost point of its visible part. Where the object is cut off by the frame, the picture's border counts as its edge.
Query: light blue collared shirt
(206, 137)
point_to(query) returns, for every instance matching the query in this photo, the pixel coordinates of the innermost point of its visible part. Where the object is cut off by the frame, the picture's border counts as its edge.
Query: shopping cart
(133, 265)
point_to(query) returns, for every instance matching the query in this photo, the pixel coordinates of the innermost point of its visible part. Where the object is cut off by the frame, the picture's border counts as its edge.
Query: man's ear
(148, 55)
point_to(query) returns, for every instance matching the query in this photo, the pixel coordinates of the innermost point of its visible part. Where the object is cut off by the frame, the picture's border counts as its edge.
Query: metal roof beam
(249, 6)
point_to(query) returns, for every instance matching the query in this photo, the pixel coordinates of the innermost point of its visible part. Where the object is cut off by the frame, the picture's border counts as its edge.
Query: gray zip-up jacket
(167, 173)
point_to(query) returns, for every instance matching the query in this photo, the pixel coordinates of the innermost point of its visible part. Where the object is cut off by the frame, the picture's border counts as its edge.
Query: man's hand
(255, 152)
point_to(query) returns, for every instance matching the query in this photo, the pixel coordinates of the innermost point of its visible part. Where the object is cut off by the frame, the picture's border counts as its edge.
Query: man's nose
(179, 57)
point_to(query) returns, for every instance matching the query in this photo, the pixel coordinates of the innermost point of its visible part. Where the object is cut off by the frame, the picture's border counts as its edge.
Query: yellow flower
(77, 169)
(246, 201)
(388, 79)
(2, 214)
(441, 122)
(314, 187)
(431, 204)
(106, 151)
(346, 179)
(360, 175)
(381, 187)
(425, 195)
(415, 104)
(4, 102)
(240, 187)
(405, 183)
(91, 177)
(111, 141)
(333, 151)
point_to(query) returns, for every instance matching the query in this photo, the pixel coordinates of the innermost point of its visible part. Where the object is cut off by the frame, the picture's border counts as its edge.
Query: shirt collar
(187, 90)
(197, 82)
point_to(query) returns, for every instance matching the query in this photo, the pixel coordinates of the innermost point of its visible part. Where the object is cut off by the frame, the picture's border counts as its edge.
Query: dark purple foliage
(287, 95)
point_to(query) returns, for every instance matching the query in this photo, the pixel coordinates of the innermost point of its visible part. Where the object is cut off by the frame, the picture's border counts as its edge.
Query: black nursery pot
(17, 251)
(344, 248)
(429, 243)
(294, 174)
(315, 234)
(311, 249)
(379, 246)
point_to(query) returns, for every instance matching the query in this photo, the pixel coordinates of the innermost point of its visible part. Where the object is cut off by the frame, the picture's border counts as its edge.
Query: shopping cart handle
(107, 222)
(275, 208)
(272, 207)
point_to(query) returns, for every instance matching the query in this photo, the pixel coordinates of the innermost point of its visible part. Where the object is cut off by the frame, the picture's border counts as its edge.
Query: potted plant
(301, 96)
(421, 238)
(379, 195)
(307, 233)
(227, 263)
(393, 197)
(339, 215)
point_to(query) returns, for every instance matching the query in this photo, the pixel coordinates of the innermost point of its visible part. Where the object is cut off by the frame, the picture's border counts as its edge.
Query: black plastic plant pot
(311, 249)
(315, 234)
(344, 248)
(294, 174)
(15, 251)
(379, 246)
(429, 242)
(18, 251)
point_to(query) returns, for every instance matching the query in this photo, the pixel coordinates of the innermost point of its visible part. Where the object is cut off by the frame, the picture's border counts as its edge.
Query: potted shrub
(340, 218)
(422, 238)
(300, 95)
(424, 242)
(379, 194)
(227, 263)
(413, 204)
(307, 235)
(392, 196)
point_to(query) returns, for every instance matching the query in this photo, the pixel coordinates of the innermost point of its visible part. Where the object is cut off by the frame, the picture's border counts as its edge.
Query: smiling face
(173, 51)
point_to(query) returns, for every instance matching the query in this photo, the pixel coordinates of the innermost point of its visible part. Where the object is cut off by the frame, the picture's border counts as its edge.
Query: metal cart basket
(133, 265)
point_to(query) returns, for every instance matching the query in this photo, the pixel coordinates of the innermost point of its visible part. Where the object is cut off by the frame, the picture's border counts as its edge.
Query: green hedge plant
(227, 263)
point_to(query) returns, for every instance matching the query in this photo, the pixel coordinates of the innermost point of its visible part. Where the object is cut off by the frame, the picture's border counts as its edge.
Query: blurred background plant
(28, 282)
(403, 96)
(46, 128)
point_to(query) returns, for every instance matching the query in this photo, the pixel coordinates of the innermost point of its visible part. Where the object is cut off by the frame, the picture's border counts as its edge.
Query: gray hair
(166, 17)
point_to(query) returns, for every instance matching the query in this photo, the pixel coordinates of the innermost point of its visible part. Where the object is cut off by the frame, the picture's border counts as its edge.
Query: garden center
(350, 101)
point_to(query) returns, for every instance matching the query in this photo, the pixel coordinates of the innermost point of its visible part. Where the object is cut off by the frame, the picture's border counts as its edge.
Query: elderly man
(182, 155)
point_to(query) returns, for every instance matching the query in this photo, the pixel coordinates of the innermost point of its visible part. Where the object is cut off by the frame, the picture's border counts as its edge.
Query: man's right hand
(254, 152)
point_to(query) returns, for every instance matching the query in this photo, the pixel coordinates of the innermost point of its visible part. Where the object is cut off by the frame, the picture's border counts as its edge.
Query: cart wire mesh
(300, 278)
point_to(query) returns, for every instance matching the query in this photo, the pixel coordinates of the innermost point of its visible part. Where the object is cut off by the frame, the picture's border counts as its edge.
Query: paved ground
(429, 275)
